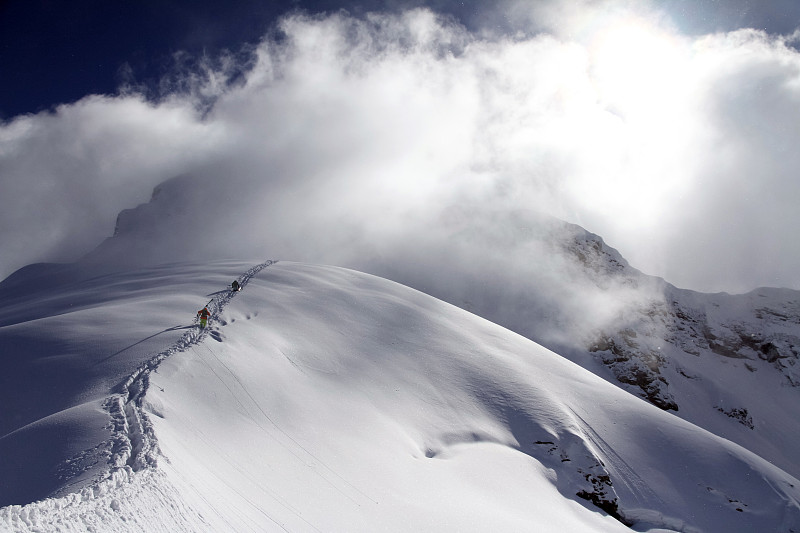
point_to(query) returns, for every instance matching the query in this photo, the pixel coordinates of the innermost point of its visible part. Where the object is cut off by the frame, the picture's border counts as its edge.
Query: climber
(203, 314)
(235, 286)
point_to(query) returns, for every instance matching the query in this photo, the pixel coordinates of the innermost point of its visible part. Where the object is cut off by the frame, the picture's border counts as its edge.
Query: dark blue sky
(54, 51)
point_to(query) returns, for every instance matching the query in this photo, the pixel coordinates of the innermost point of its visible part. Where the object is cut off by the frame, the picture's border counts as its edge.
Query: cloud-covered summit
(677, 149)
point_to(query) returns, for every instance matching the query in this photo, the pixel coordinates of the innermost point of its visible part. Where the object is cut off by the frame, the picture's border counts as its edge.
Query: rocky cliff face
(761, 330)
(729, 363)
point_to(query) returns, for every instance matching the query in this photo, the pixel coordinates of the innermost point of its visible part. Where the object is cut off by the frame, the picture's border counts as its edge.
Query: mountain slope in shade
(323, 399)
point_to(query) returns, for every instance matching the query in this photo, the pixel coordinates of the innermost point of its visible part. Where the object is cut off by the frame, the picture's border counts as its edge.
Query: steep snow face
(322, 399)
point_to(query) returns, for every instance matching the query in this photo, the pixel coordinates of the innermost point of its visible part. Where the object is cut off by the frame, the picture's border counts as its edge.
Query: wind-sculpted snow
(322, 399)
(376, 393)
(727, 363)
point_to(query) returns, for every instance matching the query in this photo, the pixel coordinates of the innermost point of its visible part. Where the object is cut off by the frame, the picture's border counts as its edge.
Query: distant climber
(203, 314)
(235, 286)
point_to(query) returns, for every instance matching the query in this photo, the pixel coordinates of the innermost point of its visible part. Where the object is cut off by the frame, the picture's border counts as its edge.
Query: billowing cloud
(348, 136)
(65, 175)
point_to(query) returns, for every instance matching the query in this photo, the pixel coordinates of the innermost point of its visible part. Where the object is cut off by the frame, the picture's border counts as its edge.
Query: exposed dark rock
(591, 474)
(770, 352)
(739, 414)
(633, 366)
(726, 350)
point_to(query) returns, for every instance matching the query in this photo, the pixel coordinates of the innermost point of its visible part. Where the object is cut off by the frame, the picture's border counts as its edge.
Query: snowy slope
(728, 363)
(68, 335)
(322, 399)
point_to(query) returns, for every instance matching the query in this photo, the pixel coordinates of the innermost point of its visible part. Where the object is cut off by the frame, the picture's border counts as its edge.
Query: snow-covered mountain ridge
(328, 386)
(322, 399)
(553, 282)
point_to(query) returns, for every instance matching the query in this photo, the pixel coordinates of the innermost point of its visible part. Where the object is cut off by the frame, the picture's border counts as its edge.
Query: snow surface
(323, 399)
(708, 356)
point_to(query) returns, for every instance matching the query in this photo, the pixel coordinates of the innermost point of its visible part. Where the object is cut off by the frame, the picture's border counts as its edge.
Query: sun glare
(640, 74)
(637, 66)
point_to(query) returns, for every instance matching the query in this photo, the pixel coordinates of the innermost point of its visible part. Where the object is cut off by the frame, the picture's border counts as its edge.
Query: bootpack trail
(134, 444)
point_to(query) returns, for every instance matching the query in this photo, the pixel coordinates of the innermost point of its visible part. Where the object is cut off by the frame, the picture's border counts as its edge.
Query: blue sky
(668, 127)
(55, 52)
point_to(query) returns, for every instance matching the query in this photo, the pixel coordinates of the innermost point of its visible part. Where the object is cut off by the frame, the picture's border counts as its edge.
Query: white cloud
(678, 150)
(65, 175)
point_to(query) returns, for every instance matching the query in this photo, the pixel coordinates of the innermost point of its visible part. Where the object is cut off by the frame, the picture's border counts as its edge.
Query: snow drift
(322, 399)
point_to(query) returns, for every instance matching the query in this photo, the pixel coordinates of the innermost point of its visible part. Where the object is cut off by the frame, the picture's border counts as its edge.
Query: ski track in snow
(617, 467)
(134, 450)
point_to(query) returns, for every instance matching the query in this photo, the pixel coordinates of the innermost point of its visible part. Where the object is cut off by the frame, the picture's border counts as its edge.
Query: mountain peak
(321, 398)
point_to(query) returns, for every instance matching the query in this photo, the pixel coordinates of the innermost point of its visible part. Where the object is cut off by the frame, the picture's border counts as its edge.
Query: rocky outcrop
(634, 366)
(763, 325)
